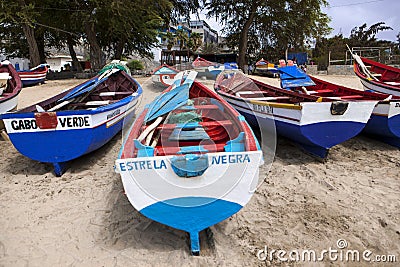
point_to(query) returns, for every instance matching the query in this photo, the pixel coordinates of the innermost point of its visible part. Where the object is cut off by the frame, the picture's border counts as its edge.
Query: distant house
(59, 62)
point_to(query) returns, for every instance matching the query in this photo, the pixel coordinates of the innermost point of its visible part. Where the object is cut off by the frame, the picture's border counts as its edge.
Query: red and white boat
(34, 76)
(10, 87)
(376, 76)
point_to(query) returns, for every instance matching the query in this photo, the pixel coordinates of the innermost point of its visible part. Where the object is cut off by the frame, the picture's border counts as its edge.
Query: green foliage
(135, 65)
(363, 36)
(121, 27)
(270, 26)
(195, 41)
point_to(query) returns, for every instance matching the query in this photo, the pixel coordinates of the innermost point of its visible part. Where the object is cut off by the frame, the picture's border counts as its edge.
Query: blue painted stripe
(191, 214)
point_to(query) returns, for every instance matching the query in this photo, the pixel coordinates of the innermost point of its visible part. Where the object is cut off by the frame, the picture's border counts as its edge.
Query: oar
(71, 99)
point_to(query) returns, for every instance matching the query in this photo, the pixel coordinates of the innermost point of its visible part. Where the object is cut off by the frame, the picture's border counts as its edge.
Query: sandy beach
(84, 219)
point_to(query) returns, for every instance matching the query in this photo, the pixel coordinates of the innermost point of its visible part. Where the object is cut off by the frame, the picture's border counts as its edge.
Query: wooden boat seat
(163, 151)
(393, 83)
(352, 97)
(112, 93)
(204, 124)
(323, 91)
(211, 106)
(270, 98)
(95, 103)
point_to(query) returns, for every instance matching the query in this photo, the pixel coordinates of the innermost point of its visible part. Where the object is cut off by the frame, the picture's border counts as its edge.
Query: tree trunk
(34, 55)
(97, 57)
(119, 49)
(243, 37)
(75, 62)
(39, 36)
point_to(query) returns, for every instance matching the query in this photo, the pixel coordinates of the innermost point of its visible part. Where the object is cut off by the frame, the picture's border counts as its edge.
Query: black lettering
(62, 121)
(14, 125)
(86, 118)
(69, 122)
(21, 125)
(75, 122)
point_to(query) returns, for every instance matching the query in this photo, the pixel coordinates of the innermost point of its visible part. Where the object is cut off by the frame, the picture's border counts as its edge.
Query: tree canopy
(111, 28)
(270, 25)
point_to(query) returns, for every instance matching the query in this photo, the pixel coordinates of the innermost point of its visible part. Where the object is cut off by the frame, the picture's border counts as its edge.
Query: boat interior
(383, 73)
(322, 91)
(8, 85)
(89, 95)
(199, 126)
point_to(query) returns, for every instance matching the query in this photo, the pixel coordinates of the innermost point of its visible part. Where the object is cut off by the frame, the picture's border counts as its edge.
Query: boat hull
(379, 87)
(156, 191)
(163, 80)
(9, 104)
(384, 123)
(311, 125)
(77, 132)
(29, 78)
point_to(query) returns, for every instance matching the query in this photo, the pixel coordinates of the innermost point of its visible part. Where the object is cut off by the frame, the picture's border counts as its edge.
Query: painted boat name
(65, 122)
(161, 164)
(113, 114)
(263, 109)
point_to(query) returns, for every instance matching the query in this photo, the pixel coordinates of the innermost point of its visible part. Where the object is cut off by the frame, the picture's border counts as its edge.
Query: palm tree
(182, 38)
(170, 38)
(195, 41)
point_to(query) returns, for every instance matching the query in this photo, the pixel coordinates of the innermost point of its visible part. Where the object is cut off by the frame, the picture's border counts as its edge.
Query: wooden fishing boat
(75, 122)
(376, 76)
(210, 69)
(164, 75)
(34, 76)
(263, 67)
(384, 123)
(190, 160)
(200, 64)
(10, 87)
(218, 68)
(315, 123)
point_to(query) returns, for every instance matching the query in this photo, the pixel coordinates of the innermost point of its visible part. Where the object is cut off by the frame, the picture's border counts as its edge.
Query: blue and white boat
(75, 122)
(190, 160)
(384, 123)
(315, 123)
(218, 68)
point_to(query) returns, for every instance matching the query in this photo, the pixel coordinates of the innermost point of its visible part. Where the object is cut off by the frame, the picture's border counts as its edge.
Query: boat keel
(316, 151)
(194, 243)
(60, 168)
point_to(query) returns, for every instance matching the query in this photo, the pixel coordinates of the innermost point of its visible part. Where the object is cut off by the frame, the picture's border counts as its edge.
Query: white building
(59, 61)
(200, 26)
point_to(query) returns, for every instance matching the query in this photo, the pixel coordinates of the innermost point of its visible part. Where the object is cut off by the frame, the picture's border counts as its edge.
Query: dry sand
(84, 218)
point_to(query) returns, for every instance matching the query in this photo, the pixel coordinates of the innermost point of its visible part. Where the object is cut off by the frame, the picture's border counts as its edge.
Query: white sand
(84, 218)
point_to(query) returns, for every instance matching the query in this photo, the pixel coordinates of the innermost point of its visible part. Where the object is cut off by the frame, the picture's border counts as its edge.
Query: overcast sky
(347, 14)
